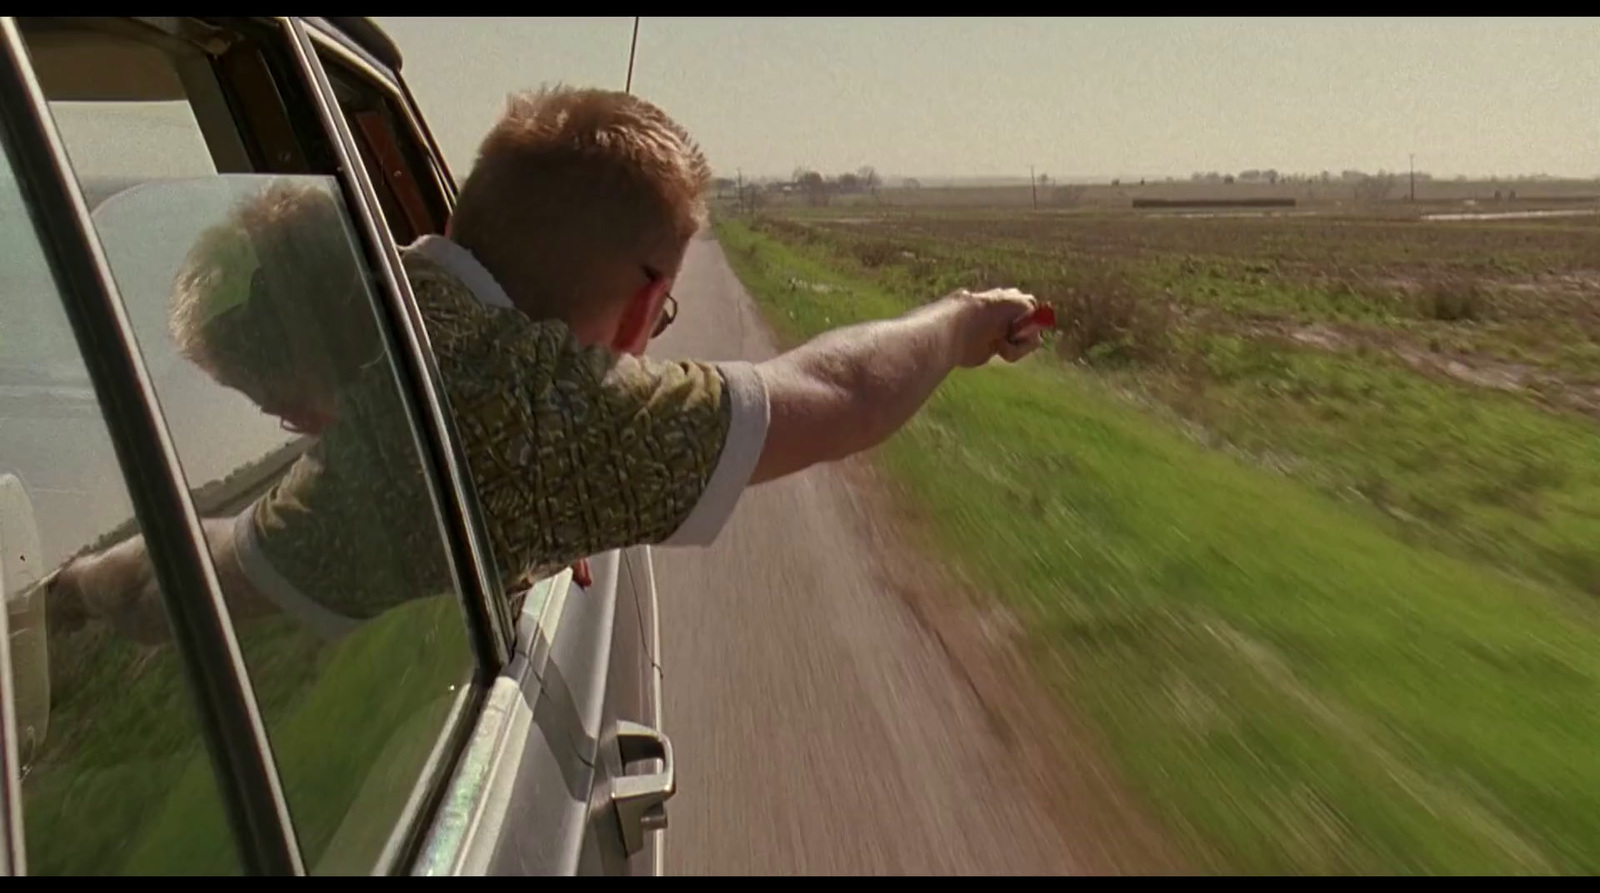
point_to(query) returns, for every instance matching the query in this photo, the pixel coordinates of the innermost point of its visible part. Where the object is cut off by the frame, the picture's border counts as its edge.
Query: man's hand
(117, 585)
(848, 390)
(995, 323)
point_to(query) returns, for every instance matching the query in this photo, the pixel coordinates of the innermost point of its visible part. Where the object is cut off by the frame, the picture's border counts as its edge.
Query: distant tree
(1116, 182)
(911, 183)
(869, 178)
(1326, 177)
(1374, 189)
(1270, 175)
(1249, 176)
(1044, 179)
(847, 183)
(1228, 179)
(812, 185)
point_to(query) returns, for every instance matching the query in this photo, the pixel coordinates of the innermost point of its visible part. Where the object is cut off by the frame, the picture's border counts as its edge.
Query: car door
(219, 745)
(582, 790)
(353, 756)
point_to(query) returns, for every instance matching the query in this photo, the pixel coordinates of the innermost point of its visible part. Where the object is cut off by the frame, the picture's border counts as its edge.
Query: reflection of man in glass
(290, 333)
(274, 304)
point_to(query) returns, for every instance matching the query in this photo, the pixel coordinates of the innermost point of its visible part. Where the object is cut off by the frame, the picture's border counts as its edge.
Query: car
(466, 731)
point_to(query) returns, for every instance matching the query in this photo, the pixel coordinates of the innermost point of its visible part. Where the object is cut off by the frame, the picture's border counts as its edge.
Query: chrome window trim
(469, 551)
(13, 848)
(475, 562)
(463, 834)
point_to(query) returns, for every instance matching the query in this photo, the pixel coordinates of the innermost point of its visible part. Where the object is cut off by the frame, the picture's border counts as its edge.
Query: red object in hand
(580, 574)
(1044, 316)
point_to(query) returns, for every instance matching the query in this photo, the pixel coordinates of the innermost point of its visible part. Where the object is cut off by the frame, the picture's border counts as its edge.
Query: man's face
(298, 410)
(649, 310)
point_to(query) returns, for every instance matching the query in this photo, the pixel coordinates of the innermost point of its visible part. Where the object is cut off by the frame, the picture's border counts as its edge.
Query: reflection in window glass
(129, 111)
(257, 315)
(115, 772)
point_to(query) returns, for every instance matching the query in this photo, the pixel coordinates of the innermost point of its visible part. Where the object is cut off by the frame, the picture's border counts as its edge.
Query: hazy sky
(1072, 96)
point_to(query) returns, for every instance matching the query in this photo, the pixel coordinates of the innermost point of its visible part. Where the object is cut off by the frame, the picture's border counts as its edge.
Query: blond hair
(575, 190)
(274, 301)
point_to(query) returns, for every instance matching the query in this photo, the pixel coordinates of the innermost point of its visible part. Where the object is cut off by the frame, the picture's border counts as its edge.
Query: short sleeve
(349, 531)
(576, 451)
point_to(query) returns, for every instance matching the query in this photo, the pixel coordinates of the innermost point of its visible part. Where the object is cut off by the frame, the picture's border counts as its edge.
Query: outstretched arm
(848, 390)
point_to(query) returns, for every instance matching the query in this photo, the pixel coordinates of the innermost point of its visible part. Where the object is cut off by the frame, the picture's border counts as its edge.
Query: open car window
(403, 172)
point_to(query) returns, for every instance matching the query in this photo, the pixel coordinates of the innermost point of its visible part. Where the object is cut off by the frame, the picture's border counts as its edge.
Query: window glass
(257, 319)
(112, 756)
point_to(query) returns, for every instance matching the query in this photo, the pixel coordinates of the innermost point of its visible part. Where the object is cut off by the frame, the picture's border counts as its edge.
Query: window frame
(494, 626)
(391, 83)
(389, 87)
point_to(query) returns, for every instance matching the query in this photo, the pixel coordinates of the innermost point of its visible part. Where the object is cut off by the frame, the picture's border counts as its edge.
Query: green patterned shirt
(573, 451)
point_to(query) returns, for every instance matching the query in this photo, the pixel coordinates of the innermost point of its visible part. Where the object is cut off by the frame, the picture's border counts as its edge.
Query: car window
(111, 753)
(144, 124)
(258, 321)
(337, 518)
(400, 169)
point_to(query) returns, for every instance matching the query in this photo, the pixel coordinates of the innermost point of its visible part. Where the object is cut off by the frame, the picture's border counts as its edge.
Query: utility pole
(742, 206)
(1034, 184)
(632, 48)
(1413, 178)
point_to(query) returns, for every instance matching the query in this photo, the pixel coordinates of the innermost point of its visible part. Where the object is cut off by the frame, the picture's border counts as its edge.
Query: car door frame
(240, 751)
(230, 722)
(493, 823)
(238, 748)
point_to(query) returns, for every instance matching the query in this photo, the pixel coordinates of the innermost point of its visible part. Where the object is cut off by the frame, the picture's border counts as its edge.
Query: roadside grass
(1294, 682)
(124, 785)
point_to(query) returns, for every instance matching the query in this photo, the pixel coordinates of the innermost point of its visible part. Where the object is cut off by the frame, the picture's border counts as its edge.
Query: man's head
(273, 302)
(582, 204)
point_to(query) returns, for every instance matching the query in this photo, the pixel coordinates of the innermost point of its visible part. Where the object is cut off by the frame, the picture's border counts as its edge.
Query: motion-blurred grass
(1298, 676)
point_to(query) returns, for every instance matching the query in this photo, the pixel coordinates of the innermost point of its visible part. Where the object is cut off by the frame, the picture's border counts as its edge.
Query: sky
(1103, 97)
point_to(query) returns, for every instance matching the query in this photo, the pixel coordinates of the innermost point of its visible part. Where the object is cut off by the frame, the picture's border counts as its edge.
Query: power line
(632, 48)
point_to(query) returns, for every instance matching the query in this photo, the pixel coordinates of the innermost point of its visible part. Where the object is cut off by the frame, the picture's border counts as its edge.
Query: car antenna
(632, 48)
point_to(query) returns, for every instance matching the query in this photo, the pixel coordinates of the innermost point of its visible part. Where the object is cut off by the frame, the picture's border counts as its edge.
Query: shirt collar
(460, 263)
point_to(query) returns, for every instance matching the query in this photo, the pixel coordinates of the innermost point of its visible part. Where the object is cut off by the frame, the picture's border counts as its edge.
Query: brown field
(1432, 196)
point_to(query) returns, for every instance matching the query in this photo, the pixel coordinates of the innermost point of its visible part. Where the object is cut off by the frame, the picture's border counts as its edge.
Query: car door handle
(641, 800)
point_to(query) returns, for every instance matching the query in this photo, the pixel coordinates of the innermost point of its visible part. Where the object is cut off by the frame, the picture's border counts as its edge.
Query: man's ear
(638, 318)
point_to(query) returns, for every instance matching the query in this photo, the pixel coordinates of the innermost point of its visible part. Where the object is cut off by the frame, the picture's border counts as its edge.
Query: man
(557, 269)
(555, 273)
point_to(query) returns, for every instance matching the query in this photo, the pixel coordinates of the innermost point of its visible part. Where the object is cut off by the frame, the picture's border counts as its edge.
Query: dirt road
(821, 727)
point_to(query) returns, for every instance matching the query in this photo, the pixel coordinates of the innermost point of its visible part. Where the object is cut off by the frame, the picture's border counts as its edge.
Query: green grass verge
(1291, 684)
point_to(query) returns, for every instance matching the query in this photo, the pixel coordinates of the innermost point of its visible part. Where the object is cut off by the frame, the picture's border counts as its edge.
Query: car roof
(365, 34)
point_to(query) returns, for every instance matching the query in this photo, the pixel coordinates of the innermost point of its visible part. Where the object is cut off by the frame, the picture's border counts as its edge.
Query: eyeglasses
(669, 307)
